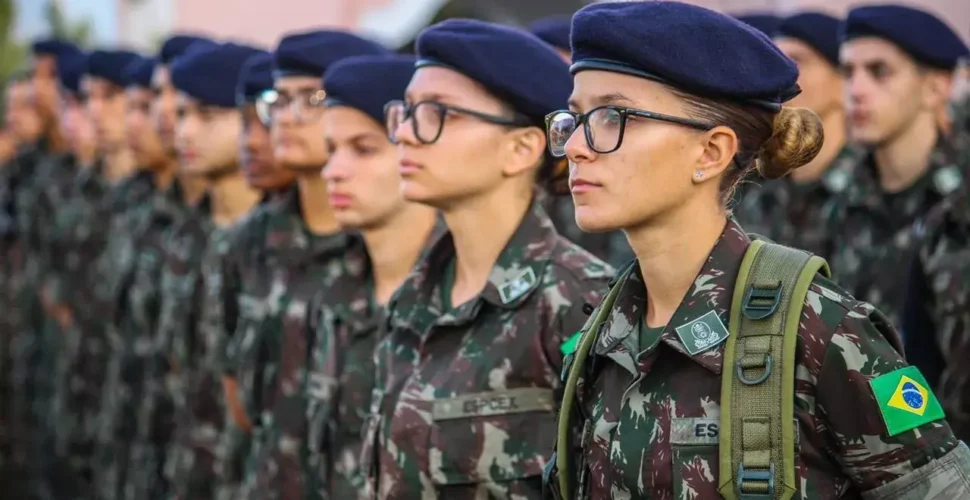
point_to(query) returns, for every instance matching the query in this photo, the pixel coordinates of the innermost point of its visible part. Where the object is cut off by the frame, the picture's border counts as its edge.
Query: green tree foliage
(79, 32)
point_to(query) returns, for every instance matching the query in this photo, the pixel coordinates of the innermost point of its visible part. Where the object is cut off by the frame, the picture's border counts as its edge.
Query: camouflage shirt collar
(943, 177)
(515, 275)
(351, 293)
(711, 292)
(288, 232)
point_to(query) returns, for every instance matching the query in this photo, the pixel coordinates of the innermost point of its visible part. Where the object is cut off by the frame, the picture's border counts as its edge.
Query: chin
(414, 192)
(592, 221)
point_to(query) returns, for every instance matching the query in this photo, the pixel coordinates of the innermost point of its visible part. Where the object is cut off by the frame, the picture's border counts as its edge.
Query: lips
(408, 167)
(340, 200)
(582, 186)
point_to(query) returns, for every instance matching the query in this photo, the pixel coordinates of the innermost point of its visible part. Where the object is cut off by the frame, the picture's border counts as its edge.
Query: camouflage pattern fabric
(464, 404)
(348, 326)
(651, 408)
(286, 267)
(873, 230)
(794, 214)
(612, 248)
(126, 458)
(937, 311)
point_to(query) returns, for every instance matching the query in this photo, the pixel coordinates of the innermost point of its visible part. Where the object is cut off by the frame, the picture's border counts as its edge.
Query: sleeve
(887, 431)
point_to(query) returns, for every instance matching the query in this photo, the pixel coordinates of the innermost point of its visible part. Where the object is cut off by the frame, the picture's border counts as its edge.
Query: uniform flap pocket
(492, 403)
(694, 431)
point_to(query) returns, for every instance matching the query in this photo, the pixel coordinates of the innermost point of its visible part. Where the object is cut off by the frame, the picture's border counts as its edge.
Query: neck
(231, 198)
(394, 248)
(902, 161)
(670, 256)
(315, 204)
(119, 164)
(54, 140)
(193, 188)
(834, 126)
(85, 157)
(164, 174)
(481, 228)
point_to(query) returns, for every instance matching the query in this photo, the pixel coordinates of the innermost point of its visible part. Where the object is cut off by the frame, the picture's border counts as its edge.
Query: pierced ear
(939, 85)
(719, 144)
(526, 147)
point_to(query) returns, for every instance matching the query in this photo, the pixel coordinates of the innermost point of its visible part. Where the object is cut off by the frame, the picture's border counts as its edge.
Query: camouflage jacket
(612, 248)
(936, 316)
(638, 406)
(873, 231)
(792, 213)
(464, 404)
(282, 270)
(348, 326)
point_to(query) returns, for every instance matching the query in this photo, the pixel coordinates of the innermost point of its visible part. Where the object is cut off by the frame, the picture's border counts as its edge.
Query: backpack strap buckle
(760, 302)
(757, 475)
(757, 380)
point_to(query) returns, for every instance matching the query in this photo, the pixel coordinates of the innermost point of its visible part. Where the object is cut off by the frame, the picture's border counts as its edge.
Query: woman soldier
(468, 375)
(671, 105)
(364, 188)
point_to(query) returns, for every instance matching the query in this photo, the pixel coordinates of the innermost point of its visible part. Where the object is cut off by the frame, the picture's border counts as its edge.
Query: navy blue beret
(311, 53)
(553, 30)
(367, 83)
(765, 23)
(255, 77)
(176, 45)
(209, 75)
(139, 72)
(70, 71)
(55, 47)
(110, 65)
(512, 64)
(820, 31)
(922, 35)
(685, 46)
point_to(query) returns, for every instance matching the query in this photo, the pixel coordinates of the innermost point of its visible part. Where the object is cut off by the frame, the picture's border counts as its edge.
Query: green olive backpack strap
(757, 428)
(575, 369)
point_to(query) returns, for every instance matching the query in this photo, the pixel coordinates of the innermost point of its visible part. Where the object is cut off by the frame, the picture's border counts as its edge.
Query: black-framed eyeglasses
(604, 127)
(305, 106)
(428, 118)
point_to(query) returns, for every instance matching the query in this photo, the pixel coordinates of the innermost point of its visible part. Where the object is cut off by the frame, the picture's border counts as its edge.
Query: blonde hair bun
(796, 138)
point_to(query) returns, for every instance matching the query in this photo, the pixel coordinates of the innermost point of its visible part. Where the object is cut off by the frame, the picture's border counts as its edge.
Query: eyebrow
(615, 98)
(431, 96)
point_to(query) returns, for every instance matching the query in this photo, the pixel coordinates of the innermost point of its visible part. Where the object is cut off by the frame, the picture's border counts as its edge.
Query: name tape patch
(487, 404)
(694, 431)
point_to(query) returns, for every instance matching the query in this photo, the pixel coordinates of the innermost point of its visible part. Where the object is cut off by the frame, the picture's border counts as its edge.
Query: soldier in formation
(329, 271)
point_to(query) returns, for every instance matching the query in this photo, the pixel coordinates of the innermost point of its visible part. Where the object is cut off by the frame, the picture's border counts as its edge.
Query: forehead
(138, 93)
(794, 47)
(865, 50)
(160, 76)
(297, 83)
(593, 88)
(443, 83)
(185, 100)
(346, 122)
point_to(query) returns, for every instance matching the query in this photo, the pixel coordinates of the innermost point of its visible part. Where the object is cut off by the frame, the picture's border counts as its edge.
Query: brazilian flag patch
(905, 400)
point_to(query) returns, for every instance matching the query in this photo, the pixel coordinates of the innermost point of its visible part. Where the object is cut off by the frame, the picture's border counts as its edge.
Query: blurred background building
(141, 24)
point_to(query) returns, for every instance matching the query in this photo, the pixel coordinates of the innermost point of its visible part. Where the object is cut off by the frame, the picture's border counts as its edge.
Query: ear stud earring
(698, 175)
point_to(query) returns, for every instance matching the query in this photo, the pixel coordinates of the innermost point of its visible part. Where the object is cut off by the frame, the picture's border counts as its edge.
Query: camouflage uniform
(348, 326)
(792, 213)
(285, 267)
(612, 247)
(643, 397)
(124, 440)
(78, 240)
(464, 404)
(936, 316)
(873, 230)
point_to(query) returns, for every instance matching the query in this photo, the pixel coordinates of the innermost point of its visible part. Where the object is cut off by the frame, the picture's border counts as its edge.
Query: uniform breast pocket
(493, 441)
(694, 457)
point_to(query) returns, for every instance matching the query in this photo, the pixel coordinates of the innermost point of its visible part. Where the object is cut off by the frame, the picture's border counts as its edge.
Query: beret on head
(685, 46)
(311, 53)
(176, 45)
(514, 65)
(553, 30)
(820, 31)
(210, 75)
(367, 83)
(60, 49)
(765, 23)
(70, 71)
(255, 77)
(920, 34)
(139, 72)
(111, 65)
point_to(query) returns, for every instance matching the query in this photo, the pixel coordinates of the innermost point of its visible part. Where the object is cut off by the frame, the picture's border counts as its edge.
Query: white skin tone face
(363, 181)
(207, 137)
(650, 179)
(297, 144)
(820, 81)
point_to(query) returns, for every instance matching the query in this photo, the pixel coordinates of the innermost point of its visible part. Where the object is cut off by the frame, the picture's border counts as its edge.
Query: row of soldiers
(203, 249)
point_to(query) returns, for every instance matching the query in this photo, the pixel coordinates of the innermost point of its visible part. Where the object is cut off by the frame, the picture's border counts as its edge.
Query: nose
(577, 150)
(338, 168)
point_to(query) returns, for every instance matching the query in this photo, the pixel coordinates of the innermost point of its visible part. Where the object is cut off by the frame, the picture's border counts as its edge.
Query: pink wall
(264, 20)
